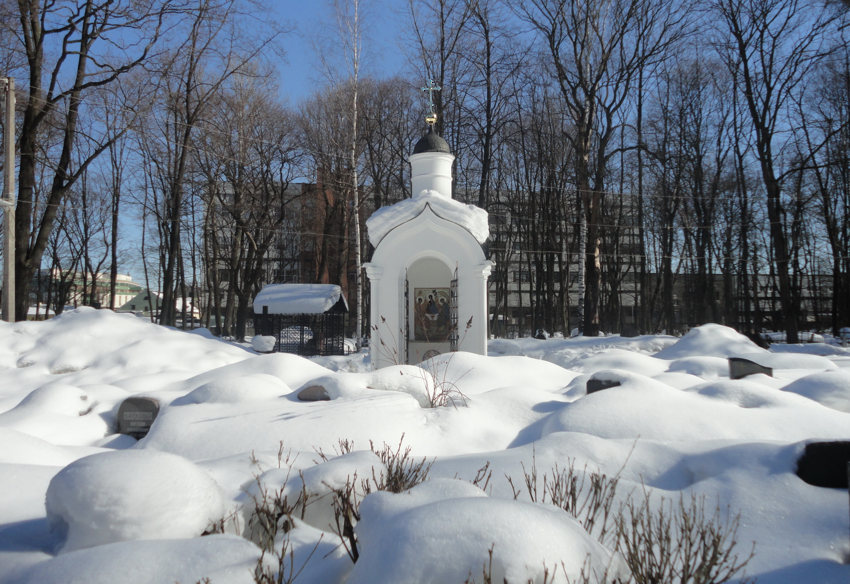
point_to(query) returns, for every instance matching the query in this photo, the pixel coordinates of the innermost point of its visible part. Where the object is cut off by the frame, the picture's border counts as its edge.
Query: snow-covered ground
(81, 503)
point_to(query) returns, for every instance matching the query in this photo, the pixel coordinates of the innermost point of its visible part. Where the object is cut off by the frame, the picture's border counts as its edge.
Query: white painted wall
(437, 242)
(431, 171)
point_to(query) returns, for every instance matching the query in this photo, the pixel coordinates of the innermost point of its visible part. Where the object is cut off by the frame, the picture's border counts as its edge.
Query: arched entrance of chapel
(431, 308)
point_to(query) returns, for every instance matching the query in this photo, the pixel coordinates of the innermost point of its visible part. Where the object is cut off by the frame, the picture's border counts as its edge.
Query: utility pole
(8, 203)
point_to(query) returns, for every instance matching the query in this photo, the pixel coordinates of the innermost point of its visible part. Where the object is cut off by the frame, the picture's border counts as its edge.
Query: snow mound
(19, 447)
(701, 366)
(128, 495)
(812, 348)
(408, 379)
(474, 374)
(254, 387)
(503, 347)
(622, 359)
(742, 393)
(107, 342)
(59, 413)
(710, 340)
(457, 524)
(792, 361)
(569, 352)
(216, 430)
(724, 410)
(54, 399)
(292, 370)
(224, 559)
(829, 388)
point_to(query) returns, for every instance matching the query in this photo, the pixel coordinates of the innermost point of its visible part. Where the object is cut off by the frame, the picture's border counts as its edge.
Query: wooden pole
(8, 204)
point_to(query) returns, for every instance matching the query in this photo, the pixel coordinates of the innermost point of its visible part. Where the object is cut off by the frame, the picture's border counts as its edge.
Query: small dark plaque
(825, 464)
(136, 415)
(740, 367)
(594, 385)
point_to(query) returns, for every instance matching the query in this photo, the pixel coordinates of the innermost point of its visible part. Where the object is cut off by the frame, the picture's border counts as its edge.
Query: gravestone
(740, 367)
(594, 385)
(825, 464)
(314, 393)
(136, 416)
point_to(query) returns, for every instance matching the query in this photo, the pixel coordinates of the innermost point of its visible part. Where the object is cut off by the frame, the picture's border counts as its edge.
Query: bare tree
(96, 44)
(350, 28)
(824, 137)
(689, 146)
(771, 46)
(247, 159)
(389, 110)
(214, 47)
(596, 50)
(325, 127)
(494, 59)
(64, 262)
(86, 224)
(114, 176)
(439, 28)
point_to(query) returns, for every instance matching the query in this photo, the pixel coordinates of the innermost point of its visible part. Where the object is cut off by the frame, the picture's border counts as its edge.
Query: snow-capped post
(428, 275)
(8, 203)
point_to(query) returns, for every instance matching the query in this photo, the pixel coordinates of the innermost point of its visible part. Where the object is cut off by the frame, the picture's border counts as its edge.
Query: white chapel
(428, 274)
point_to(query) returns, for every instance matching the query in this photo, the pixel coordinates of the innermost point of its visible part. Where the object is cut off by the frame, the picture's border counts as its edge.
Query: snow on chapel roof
(470, 217)
(298, 298)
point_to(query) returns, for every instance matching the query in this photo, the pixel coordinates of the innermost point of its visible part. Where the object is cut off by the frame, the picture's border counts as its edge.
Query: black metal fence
(304, 334)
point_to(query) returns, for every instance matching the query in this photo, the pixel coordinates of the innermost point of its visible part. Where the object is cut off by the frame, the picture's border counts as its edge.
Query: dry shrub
(665, 544)
(399, 473)
(586, 496)
(680, 542)
(273, 516)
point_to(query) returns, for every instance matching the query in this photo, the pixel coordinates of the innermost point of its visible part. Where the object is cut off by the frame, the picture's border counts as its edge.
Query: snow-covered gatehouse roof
(300, 299)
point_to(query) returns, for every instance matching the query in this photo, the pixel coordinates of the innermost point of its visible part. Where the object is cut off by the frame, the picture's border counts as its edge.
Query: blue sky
(383, 24)
(313, 25)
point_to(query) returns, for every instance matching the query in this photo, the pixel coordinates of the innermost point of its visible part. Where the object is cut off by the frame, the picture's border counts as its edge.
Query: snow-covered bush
(130, 494)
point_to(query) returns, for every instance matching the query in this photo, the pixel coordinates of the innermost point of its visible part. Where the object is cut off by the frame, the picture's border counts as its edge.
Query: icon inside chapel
(432, 316)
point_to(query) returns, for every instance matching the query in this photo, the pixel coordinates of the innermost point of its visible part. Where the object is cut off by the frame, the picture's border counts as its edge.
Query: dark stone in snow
(136, 416)
(594, 385)
(740, 367)
(825, 464)
(314, 393)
